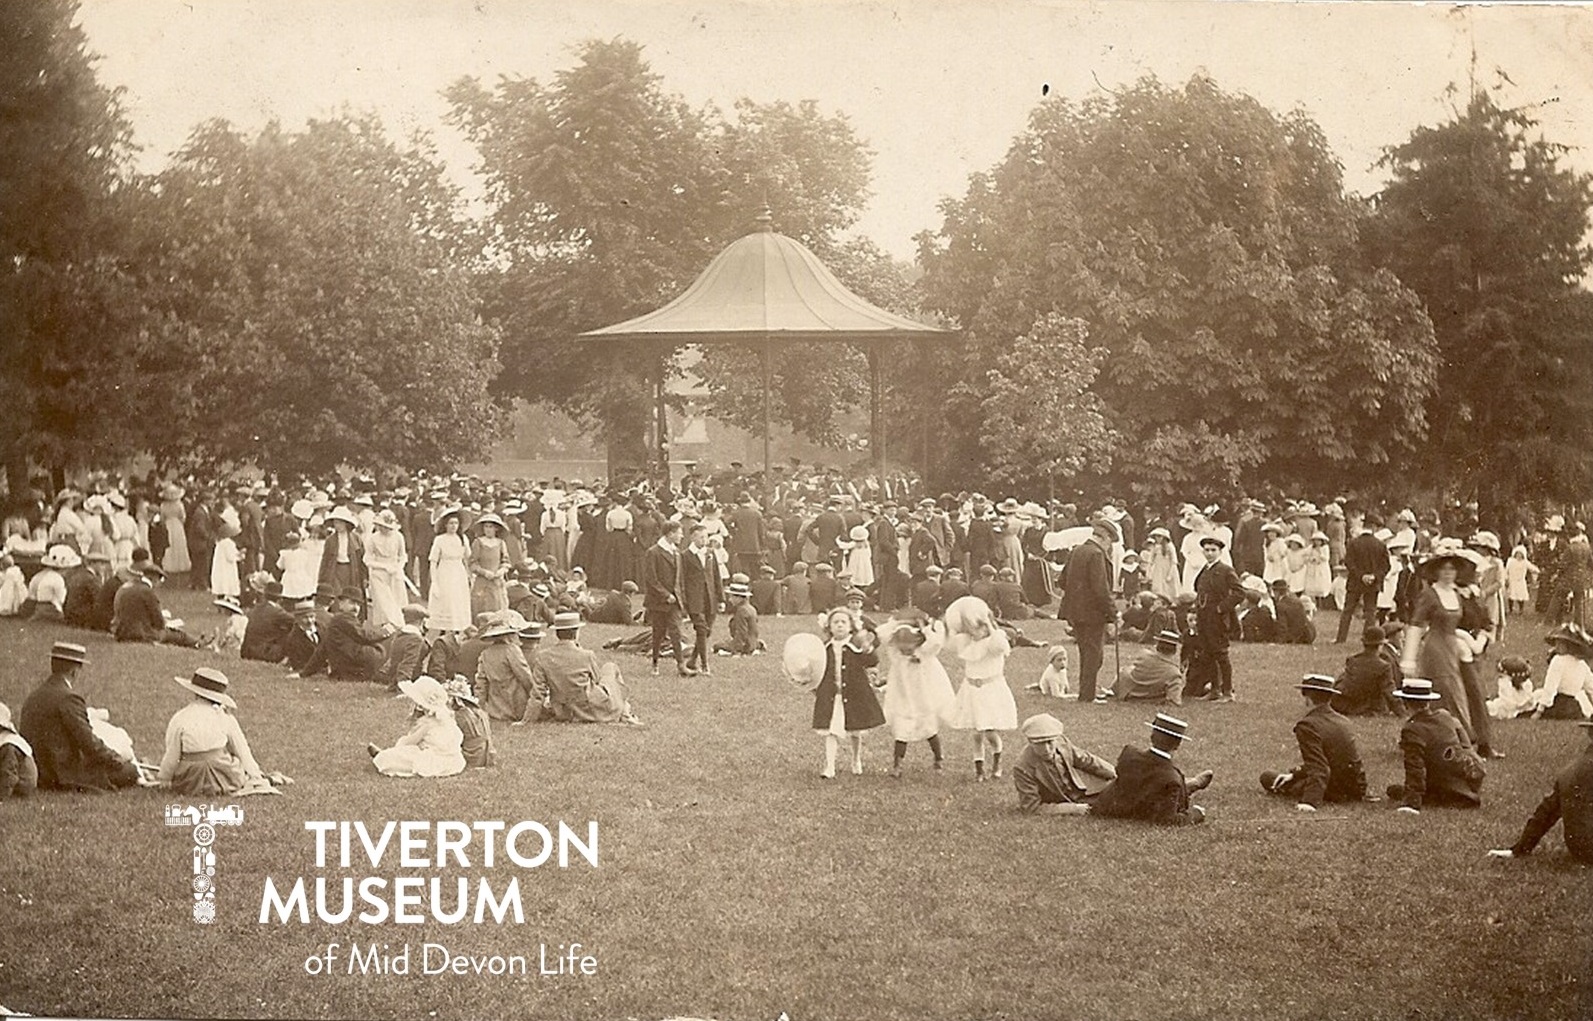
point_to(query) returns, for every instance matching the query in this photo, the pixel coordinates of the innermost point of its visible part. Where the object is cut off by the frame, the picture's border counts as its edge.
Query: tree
(1039, 418)
(1209, 246)
(605, 197)
(66, 310)
(310, 303)
(1485, 223)
(609, 195)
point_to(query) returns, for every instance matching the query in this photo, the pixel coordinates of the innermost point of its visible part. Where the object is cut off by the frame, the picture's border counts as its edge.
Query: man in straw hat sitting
(1330, 768)
(54, 720)
(1052, 773)
(1569, 802)
(1440, 766)
(1148, 786)
(1157, 674)
(573, 685)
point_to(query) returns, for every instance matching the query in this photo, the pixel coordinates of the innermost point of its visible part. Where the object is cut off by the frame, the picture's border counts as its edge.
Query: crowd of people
(441, 588)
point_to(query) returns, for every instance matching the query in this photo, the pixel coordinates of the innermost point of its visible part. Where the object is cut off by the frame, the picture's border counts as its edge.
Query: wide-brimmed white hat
(209, 683)
(61, 556)
(387, 520)
(426, 692)
(344, 515)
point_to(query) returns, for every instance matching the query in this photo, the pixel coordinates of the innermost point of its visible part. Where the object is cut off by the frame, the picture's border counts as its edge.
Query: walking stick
(1117, 653)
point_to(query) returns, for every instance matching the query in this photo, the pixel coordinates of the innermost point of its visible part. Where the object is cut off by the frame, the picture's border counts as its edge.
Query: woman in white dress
(124, 533)
(300, 564)
(173, 516)
(1189, 548)
(449, 603)
(385, 557)
(434, 745)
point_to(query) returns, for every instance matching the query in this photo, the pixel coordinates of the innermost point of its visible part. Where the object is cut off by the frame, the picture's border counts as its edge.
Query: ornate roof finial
(765, 218)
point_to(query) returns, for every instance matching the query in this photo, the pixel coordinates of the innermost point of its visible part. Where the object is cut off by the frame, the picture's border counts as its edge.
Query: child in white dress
(918, 695)
(984, 702)
(1516, 695)
(224, 563)
(300, 566)
(1519, 573)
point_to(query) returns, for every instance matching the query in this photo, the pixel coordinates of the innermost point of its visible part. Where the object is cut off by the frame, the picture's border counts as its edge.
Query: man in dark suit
(953, 588)
(1295, 626)
(1367, 684)
(1569, 802)
(1148, 786)
(136, 614)
(267, 629)
(981, 536)
(1249, 542)
(825, 530)
(1087, 603)
(1441, 767)
(301, 648)
(354, 651)
(54, 720)
(884, 547)
(273, 530)
(1217, 597)
(1330, 765)
(700, 593)
(82, 591)
(202, 530)
(746, 536)
(1366, 565)
(661, 596)
(923, 549)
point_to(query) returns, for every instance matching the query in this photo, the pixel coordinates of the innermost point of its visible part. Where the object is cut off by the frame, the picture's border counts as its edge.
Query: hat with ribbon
(209, 684)
(1171, 726)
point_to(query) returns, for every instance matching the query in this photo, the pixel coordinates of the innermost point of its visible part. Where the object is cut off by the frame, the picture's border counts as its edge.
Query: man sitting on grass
(1569, 802)
(1050, 772)
(1366, 687)
(1441, 768)
(1148, 786)
(1295, 626)
(1330, 768)
(136, 612)
(1157, 674)
(54, 721)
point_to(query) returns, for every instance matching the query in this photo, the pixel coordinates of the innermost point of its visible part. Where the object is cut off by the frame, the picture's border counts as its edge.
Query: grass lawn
(735, 883)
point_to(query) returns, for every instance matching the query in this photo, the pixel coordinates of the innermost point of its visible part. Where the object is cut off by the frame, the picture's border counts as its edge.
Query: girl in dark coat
(844, 704)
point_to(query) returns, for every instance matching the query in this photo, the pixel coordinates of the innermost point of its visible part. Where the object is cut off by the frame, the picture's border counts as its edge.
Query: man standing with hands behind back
(1366, 565)
(1087, 603)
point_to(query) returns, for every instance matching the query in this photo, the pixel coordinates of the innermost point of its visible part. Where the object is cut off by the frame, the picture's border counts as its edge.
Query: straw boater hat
(1041, 727)
(426, 692)
(1417, 690)
(70, 652)
(1170, 725)
(744, 591)
(61, 556)
(228, 603)
(1318, 682)
(532, 631)
(567, 620)
(210, 684)
(1169, 637)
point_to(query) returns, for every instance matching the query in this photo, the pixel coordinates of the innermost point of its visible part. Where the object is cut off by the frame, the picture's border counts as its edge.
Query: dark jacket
(660, 579)
(82, 590)
(1436, 750)
(1330, 767)
(1148, 787)
(981, 543)
(266, 634)
(1366, 685)
(1087, 586)
(1569, 801)
(105, 599)
(1217, 593)
(701, 590)
(1365, 554)
(746, 530)
(1294, 627)
(406, 658)
(54, 720)
(859, 704)
(353, 651)
(1249, 546)
(137, 616)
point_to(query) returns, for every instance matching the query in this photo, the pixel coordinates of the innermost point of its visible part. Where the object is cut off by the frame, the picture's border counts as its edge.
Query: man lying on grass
(1050, 772)
(1149, 786)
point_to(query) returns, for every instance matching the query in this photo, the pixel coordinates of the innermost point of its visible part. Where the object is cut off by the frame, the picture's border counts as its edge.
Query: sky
(936, 89)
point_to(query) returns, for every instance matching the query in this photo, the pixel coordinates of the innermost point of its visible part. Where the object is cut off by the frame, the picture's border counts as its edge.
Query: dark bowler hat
(352, 594)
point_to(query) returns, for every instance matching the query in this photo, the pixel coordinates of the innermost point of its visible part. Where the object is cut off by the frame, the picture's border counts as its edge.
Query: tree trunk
(16, 474)
(626, 443)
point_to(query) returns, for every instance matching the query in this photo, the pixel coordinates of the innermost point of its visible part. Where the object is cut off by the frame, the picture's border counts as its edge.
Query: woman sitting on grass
(434, 744)
(206, 752)
(1567, 692)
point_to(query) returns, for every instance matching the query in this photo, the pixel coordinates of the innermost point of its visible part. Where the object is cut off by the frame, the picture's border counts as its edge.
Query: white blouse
(202, 726)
